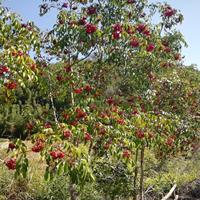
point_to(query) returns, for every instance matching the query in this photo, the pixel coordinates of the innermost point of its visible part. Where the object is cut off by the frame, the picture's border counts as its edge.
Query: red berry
(38, 146)
(11, 85)
(67, 134)
(146, 32)
(150, 47)
(141, 27)
(117, 28)
(11, 146)
(78, 90)
(126, 154)
(90, 28)
(83, 21)
(88, 88)
(57, 154)
(65, 116)
(134, 43)
(59, 78)
(169, 12)
(3, 70)
(54, 154)
(87, 137)
(61, 154)
(11, 164)
(20, 53)
(116, 35)
(110, 101)
(47, 125)
(91, 10)
(140, 134)
(80, 113)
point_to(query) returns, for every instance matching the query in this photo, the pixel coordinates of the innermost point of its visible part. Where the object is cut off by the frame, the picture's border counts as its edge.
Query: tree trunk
(142, 174)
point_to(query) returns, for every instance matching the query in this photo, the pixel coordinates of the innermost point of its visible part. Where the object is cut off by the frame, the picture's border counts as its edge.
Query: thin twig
(52, 102)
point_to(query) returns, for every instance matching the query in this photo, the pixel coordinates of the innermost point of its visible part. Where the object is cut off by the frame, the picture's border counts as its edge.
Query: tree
(110, 105)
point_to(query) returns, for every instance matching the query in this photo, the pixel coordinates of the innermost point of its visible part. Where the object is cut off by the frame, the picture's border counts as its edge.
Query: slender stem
(142, 174)
(135, 175)
(72, 97)
(52, 101)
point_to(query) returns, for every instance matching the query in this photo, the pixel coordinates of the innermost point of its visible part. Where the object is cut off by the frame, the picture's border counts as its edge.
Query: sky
(28, 9)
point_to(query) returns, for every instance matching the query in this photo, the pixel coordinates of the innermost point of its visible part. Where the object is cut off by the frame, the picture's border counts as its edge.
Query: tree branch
(169, 193)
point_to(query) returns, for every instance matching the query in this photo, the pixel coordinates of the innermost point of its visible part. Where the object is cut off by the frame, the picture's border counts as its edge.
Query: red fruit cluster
(78, 90)
(117, 30)
(58, 154)
(3, 70)
(126, 154)
(11, 146)
(47, 125)
(38, 146)
(169, 12)
(140, 134)
(134, 43)
(67, 134)
(11, 164)
(87, 137)
(90, 28)
(11, 85)
(59, 78)
(91, 10)
(80, 113)
(143, 28)
(150, 47)
(88, 88)
(110, 101)
(18, 53)
(82, 21)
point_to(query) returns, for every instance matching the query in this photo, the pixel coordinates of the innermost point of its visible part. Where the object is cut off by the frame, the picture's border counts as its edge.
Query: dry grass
(11, 189)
